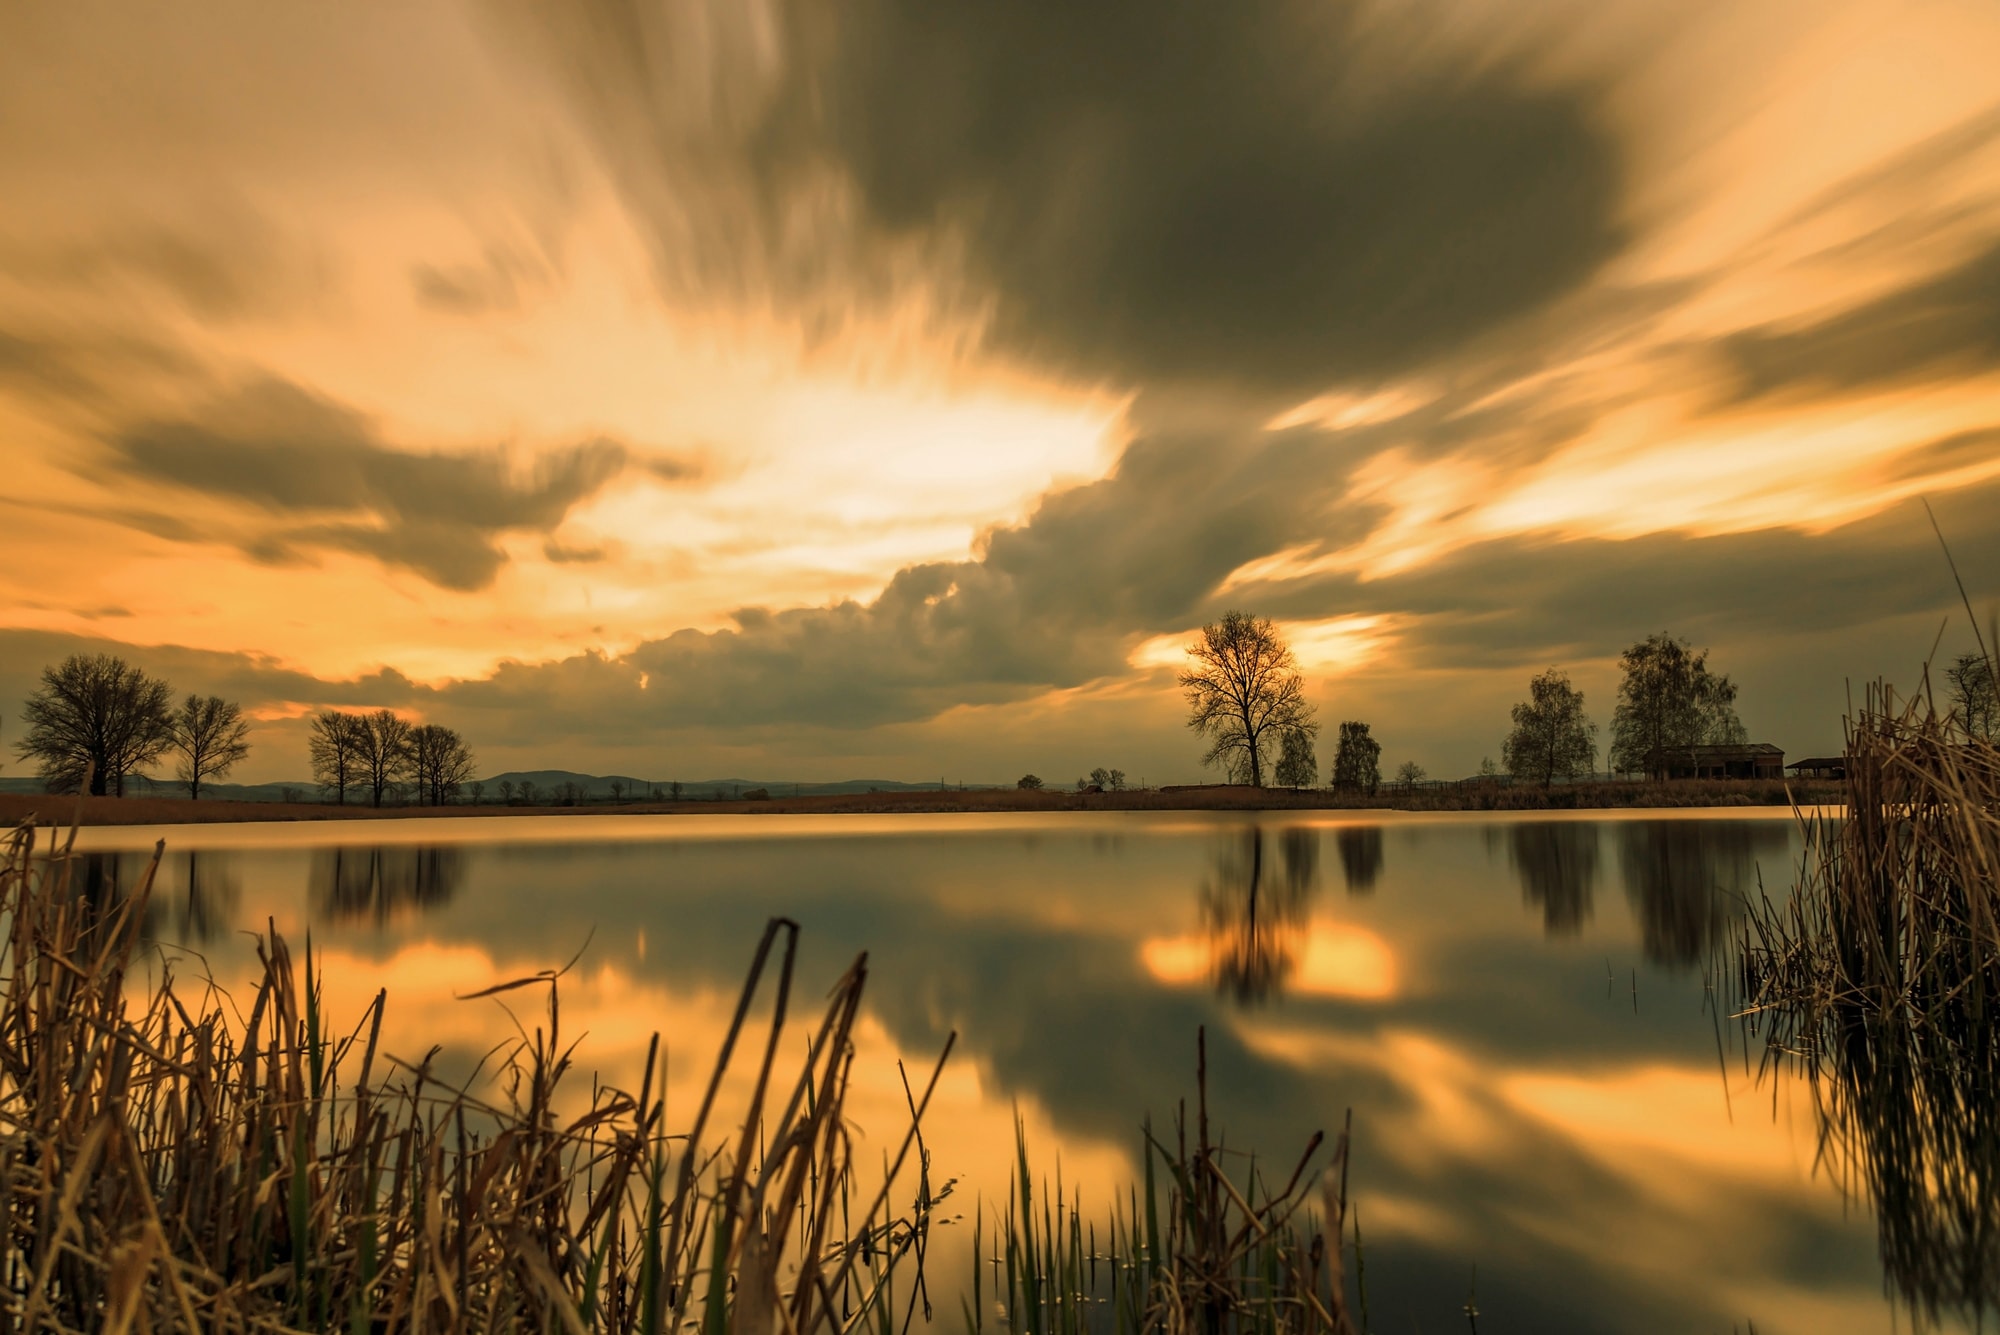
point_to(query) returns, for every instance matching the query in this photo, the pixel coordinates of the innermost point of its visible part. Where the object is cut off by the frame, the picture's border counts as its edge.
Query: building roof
(1736, 751)
(1819, 762)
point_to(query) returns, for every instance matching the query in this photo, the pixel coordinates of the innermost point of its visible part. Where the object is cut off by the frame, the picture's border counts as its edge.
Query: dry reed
(1202, 1254)
(165, 1165)
(1878, 980)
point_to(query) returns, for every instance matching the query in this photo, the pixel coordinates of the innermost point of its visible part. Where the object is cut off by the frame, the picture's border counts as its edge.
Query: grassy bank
(48, 809)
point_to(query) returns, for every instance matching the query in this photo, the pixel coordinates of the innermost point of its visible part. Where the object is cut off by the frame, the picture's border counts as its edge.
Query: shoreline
(66, 809)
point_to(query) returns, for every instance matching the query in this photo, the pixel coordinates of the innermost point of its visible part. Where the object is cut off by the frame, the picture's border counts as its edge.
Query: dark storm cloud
(1532, 600)
(1207, 191)
(1946, 326)
(77, 371)
(1055, 604)
(321, 465)
(255, 680)
(227, 261)
(1250, 193)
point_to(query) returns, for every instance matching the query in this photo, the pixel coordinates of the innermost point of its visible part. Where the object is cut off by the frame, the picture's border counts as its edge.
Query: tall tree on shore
(335, 748)
(1298, 766)
(1668, 703)
(1244, 694)
(95, 714)
(1357, 760)
(1552, 738)
(439, 761)
(383, 742)
(211, 738)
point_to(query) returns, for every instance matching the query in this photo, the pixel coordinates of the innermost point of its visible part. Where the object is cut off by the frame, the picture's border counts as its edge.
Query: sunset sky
(719, 387)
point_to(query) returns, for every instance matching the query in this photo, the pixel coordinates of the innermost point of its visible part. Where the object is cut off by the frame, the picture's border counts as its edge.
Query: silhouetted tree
(1357, 759)
(383, 742)
(507, 791)
(1410, 772)
(1975, 695)
(1668, 703)
(95, 714)
(617, 790)
(529, 792)
(438, 760)
(211, 738)
(1101, 777)
(1552, 739)
(1298, 766)
(478, 790)
(334, 744)
(1029, 781)
(674, 789)
(1244, 694)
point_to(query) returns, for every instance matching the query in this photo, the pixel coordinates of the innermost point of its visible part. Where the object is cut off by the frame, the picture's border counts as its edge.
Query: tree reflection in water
(1255, 917)
(1688, 880)
(203, 906)
(1557, 864)
(355, 883)
(1360, 856)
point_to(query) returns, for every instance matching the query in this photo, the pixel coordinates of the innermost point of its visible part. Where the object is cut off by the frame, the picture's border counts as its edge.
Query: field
(54, 810)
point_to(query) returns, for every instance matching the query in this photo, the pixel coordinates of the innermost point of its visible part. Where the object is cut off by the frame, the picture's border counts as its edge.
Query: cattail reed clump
(169, 1162)
(1879, 981)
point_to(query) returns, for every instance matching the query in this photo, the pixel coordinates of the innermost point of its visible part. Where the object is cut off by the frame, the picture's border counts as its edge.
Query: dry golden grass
(168, 1163)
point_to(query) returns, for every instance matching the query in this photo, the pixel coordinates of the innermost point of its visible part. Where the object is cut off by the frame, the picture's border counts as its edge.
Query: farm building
(1750, 760)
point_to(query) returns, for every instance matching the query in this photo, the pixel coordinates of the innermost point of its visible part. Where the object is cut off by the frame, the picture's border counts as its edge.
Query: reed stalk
(1878, 979)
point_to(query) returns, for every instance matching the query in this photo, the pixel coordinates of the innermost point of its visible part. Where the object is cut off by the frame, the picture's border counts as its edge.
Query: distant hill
(304, 790)
(546, 781)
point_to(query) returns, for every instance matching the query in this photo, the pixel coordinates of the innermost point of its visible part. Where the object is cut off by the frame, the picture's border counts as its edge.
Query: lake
(1551, 1121)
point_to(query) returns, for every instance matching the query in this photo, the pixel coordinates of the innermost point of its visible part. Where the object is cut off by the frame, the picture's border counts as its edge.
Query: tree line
(97, 721)
(381, 755)
(1246, 697)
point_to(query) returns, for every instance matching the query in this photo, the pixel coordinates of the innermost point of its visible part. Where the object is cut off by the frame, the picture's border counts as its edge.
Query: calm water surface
(1516, 1011)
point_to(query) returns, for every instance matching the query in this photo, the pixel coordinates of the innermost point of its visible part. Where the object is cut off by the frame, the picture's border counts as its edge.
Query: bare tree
(529, 792)
(384, 742)
(507, 791)
(1244, 693)
(617, 791)
(674, 788)
(1410, 773)
(99, 715)
(1974, 696)
(334, 744)
(477, 789)
(438, 759)
(211, 737)
(1028, 781)
(1552, 739)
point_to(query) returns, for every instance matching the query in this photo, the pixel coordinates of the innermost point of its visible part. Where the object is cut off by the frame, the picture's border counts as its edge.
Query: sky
(699, 388)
